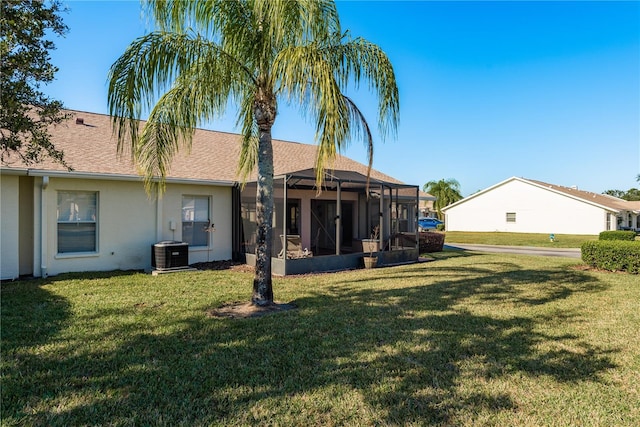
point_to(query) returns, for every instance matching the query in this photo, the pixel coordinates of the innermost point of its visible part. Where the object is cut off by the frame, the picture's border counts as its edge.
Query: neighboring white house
(98, 216)
(528, 206)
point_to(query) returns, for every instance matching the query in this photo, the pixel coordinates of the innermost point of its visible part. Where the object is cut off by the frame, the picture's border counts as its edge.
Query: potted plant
(371, 261)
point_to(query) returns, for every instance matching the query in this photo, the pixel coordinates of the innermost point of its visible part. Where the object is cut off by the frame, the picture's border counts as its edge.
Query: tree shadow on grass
(30, 316)
(403, 350)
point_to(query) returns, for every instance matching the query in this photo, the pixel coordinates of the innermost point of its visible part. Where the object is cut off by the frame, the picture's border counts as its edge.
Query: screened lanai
(333, 228)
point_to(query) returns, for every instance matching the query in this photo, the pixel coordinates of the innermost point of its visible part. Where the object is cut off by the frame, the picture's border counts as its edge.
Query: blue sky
(488, 90)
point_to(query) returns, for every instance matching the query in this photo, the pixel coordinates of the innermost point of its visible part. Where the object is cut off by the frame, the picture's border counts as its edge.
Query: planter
(370, 261)
(370, 245)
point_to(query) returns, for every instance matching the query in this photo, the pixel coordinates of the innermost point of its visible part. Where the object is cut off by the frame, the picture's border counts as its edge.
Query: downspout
(43, 227)
(159, 216)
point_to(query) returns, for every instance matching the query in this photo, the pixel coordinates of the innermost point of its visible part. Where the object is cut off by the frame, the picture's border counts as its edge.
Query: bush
(612, 255)
(440, 227)
(617, 235)
(431, 242)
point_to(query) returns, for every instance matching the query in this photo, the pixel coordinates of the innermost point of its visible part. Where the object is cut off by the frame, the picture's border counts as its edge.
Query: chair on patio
(294, 246)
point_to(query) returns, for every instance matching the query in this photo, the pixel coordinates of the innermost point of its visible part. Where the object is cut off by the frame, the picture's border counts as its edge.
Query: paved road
(525, 250)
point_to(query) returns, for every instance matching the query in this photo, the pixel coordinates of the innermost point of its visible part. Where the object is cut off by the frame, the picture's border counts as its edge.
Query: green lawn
(468, 339)
(518, 239)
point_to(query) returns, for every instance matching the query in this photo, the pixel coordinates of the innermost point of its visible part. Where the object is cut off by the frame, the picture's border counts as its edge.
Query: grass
(468, 339)
(518, 239)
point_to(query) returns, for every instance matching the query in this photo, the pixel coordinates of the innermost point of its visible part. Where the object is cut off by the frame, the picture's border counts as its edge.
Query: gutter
(43, 227)
(123, 177)
(14, 171)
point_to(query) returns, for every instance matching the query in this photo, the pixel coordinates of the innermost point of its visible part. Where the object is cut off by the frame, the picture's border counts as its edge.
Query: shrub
(617, 235)
(431, 242)
(612, 255)
(440, 227)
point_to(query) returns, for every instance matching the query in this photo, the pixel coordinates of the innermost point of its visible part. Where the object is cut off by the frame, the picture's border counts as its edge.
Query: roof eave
(124, 177)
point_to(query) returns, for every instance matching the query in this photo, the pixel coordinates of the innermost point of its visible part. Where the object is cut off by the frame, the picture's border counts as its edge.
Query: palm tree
(254, 53)
(446, 191)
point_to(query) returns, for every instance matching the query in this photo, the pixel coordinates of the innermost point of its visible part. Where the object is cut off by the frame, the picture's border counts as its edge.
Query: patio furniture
(293, 246)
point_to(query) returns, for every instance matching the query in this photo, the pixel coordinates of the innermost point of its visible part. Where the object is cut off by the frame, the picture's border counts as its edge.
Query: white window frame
(72, 212)
(195, 221)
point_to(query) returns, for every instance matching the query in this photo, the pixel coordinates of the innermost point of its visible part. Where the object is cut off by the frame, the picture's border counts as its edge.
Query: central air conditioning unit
(169, 254)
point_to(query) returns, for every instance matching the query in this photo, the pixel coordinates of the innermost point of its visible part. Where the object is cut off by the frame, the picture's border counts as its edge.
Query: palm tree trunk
(262, 284)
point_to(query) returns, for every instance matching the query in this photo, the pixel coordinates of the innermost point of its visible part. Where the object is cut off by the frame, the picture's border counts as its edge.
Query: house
(426, 205)
(98, 217)
(529, 206)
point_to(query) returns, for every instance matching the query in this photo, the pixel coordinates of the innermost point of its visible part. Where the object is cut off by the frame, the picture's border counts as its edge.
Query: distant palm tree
(446, 192)
(253, 53)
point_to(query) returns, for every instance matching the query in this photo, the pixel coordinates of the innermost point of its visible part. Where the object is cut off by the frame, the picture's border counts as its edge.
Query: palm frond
(317, 74)
(197, 78)
(249, 148)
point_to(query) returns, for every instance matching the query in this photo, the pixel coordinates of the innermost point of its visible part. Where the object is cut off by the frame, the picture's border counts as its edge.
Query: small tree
(446, 191)
(25, 112)
(632, 194)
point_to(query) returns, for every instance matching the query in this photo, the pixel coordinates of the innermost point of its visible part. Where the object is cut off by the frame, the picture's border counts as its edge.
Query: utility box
(169, 254)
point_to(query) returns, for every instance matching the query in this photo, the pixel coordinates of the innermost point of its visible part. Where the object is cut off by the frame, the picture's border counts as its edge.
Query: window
(511, 217)
(195, 220)
(77, 219)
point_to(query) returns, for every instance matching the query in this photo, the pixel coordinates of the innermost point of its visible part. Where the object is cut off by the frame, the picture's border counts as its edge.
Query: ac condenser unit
(169, 254)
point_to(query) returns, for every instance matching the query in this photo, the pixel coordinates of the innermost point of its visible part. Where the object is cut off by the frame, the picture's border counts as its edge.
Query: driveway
(524, 250)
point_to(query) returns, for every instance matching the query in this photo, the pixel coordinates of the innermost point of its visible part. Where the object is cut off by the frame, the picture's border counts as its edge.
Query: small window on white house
(195, 220)
(77, 219)
(511, 217)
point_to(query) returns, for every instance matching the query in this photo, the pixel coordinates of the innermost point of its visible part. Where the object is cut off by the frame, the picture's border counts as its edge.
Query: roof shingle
(90, 147)
(600, 199)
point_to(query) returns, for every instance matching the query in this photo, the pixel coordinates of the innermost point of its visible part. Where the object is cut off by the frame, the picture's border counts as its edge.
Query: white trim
(14, 171)
(111, 177)
(69, 255)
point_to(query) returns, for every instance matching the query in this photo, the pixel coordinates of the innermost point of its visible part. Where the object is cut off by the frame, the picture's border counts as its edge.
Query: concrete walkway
(524, 250)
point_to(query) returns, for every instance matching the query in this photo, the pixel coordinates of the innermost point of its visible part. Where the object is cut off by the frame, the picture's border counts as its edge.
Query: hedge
(617, 235)
(431, 242)
(612, 255)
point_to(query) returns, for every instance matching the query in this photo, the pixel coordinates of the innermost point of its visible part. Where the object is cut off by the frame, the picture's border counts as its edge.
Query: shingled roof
(604, 200)
(90, 148)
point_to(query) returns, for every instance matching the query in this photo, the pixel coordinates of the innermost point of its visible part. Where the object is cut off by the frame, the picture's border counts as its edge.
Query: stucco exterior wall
(128, 224)
(9, 226)
(537, 211)
(125, 228)
(26, 221)
(220, 247)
